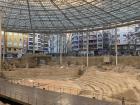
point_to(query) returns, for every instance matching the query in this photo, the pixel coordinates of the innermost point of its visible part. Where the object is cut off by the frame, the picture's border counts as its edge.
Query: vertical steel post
(33, 43)
(116, 47)
(61, 50)
(4, 46)
(87, 49)
(0, 41)
(57, 45)
(78, 45)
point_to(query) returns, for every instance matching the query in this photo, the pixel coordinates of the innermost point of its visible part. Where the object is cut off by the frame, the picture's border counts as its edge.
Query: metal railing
(8, 89)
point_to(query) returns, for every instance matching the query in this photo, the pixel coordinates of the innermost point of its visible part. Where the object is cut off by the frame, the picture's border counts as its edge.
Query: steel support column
(0, 41)
(87, 52)
(61, 49)
(116, 47)
(4, 46)
(33, 43)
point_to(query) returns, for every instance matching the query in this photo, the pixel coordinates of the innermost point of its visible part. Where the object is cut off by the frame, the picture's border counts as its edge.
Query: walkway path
(34, 96)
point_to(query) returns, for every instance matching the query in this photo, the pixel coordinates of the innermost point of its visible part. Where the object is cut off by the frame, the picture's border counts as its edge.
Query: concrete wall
(123, 60)
(41, 73)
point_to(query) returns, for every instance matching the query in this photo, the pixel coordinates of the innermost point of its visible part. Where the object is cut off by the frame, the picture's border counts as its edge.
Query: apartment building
(59, 44)
(41, 43)
(14, 44)
(98, 43)
(127, 40)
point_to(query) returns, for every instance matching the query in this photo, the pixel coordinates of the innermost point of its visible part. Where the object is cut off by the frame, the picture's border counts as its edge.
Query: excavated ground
(104, 83)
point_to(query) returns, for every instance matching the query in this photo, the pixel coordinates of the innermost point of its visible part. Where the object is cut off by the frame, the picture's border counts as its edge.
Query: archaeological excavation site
(69, 52)
(52, 83)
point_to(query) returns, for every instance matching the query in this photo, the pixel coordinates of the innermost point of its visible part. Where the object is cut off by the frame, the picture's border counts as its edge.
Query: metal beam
(49, 18)
(87, 49)
(116, 47)
(4, 45)
(29, 13)
(33, 43)
(0, 41)
(61, 50)
(55, 5)
(59, 31)
(94, 6)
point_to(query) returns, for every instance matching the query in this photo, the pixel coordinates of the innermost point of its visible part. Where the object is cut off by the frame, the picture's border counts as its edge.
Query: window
(9, 49)
(38, 36)
(124, 35)
(39, 40)
(30, 47)
(30, 43)
(39, 44)
(30, 39)
(118, 41)
(99, 35)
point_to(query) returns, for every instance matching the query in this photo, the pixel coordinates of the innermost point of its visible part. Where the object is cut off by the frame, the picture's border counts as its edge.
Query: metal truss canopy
(52, 16)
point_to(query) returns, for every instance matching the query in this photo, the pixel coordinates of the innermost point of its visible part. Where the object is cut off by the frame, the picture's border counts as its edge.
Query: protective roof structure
(51, 16)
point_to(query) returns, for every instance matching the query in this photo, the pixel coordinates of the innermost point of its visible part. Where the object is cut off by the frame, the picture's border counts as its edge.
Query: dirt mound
(128, 95)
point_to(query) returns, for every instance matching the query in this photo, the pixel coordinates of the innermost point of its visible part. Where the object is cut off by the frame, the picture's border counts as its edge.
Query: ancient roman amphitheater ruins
(33, 80)
(100, 81)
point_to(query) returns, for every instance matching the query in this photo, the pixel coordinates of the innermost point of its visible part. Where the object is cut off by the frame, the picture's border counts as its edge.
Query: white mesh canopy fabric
(51, 16)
